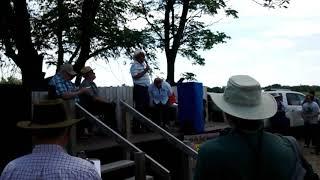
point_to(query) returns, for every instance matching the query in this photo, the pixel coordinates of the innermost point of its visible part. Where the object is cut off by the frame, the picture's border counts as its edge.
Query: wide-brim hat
(49, 114)
(68, 68)
(244, 99)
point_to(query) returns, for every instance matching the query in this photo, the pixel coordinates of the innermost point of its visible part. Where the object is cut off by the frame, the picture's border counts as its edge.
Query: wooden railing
(153, 164)
(188, 154)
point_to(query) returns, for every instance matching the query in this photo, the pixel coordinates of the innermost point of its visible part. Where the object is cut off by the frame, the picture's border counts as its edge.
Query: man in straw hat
(50, 128)
(246, 152)
(93, 102)
(62, 86)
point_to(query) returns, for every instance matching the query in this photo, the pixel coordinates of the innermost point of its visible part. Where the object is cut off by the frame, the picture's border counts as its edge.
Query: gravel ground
(313, 159)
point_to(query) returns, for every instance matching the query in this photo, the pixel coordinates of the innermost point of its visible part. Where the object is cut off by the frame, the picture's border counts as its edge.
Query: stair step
(147, 178)
(114, 166)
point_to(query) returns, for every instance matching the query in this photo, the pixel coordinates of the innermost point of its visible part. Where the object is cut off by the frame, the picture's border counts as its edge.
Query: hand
(147, 68)
(84, 90)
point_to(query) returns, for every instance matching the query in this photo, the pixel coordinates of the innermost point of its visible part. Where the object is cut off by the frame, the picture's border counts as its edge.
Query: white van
(292, 101)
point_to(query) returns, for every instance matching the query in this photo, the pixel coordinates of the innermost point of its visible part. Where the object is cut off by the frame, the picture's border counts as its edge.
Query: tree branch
(146, 18)
(97, 52)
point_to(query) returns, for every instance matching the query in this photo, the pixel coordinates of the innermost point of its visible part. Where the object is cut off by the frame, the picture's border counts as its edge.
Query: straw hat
(86, 69)
(48, 114)
(244, 99)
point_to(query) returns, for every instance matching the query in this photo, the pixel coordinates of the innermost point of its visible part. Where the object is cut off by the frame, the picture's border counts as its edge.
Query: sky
(274, 46)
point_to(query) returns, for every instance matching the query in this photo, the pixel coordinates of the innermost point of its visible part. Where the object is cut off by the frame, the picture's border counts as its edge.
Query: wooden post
(186, 164)
(125, 130)
(125, 124)
(140, 168)
(71, 112)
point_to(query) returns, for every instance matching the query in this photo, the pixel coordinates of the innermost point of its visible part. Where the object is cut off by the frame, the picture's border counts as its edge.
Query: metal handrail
(171, 139)
(154, 164)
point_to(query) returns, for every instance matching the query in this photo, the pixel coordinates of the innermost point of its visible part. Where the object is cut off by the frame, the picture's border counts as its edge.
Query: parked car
(292, 101)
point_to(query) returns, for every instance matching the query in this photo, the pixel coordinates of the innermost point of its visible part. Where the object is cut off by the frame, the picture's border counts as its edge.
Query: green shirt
(233, 157)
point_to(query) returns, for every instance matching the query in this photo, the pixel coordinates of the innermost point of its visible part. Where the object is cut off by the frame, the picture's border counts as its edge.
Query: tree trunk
(59, 33)
(171, 58)
(28, 58)
(89, 11)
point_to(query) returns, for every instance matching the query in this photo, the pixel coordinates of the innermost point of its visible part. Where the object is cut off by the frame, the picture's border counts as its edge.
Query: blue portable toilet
(190, 107)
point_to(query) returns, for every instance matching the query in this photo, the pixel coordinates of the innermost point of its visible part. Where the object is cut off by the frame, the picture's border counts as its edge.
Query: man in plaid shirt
(62, 85)
(50, 128)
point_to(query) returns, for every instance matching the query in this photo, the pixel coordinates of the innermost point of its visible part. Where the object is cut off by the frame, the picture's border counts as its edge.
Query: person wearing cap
(50, 129)
(139, 71)
(92, 101)
(247, 151)
(62, 85)
(159, 92)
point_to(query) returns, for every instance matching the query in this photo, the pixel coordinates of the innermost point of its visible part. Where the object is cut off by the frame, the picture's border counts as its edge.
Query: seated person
(93, 102)
(159, 92)
(62, 85)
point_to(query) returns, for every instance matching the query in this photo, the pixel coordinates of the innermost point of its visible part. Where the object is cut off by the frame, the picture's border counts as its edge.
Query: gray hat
(68, 68)
(244, 99)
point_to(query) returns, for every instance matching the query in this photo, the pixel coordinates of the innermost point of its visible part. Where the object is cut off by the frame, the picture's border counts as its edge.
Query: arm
(137, 75)
(72, 94)
(150, 95)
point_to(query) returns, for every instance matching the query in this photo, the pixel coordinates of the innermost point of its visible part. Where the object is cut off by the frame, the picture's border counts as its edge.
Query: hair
(244, 124)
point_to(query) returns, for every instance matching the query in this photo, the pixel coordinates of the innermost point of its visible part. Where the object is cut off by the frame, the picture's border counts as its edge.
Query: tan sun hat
(86, 69)
(244, 99)
(68, 68)
(48, 114)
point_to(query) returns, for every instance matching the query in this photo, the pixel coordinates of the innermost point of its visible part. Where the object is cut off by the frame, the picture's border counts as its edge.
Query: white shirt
(162, 94)
(310, 112)
(137, 68)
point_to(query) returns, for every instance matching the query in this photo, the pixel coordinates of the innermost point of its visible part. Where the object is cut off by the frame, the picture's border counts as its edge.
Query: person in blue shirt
(159, 92)
(60, 85)
(50, 129)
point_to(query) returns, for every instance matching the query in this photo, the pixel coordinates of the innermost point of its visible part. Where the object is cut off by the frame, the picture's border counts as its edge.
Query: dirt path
(313, 159)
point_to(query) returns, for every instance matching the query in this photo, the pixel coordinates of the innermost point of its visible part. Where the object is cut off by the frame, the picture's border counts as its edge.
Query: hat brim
(266, 109)
(32, 126)
(73, 73)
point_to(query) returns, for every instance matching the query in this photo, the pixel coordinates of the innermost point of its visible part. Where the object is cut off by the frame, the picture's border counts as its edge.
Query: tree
(77, 30)
(16, 38)
(178, 27)
(182, 26)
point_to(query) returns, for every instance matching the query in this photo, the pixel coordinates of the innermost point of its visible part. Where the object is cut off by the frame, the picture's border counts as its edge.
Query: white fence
(115, 94)
(125, 93)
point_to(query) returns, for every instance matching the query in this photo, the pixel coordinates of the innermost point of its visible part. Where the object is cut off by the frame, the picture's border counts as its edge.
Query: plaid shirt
(62, 86)
(49, 162)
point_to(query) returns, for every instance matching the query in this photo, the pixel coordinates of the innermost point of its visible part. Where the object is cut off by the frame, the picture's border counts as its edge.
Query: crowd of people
(245, 151)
